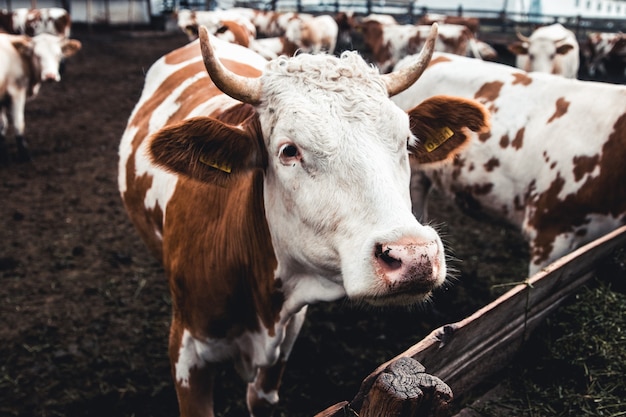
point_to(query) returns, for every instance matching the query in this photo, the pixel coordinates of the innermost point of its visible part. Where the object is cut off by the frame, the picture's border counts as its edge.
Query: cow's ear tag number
(438, 138)
(214, 164)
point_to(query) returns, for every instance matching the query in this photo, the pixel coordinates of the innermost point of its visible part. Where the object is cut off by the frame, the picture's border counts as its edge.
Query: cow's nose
(408, 265)
(50, 77)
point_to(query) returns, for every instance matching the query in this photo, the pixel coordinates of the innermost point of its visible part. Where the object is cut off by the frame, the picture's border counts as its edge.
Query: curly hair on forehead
(349, 72)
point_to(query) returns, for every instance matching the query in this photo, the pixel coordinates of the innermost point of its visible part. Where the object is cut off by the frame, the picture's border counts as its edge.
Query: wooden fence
(457, 357)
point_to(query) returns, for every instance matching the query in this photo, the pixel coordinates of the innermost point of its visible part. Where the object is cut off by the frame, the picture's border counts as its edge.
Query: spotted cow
(605, 55)
(264, 187)
(32, 22)
(232, 25)
(25, 63)
(552, 49)
(552, 164)
(388, 43)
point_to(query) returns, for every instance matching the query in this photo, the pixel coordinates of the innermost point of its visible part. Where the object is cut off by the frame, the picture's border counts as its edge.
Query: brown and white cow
(553, 163)
(552, 49)
(236, 22)
(25, 63)
(603, 51)
(267, 186)
(388, 43)
(32, 22)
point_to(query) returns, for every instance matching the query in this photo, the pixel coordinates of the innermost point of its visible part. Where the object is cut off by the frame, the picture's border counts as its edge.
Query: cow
(552, 49)
(25, 63)
(265, 186)
(552, 164)
(605, 53)
(388, 43)
(32, 22)
(315, 35)
(189, 21)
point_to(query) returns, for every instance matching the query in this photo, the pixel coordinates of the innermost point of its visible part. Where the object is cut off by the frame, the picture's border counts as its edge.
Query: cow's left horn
(245, 89)
(399, 81)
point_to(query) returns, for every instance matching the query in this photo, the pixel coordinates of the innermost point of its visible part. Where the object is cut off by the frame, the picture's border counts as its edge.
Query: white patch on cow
(248, 351)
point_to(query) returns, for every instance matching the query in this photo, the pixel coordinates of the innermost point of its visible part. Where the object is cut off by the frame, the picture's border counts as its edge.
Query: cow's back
(552, 161)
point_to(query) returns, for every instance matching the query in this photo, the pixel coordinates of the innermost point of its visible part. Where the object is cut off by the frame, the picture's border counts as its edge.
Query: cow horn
(522, 37)
(400, 80)
(245, 89)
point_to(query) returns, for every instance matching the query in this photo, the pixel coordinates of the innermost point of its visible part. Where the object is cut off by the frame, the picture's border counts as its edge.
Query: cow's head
(44, 54)
(541, 52)
(334, 153)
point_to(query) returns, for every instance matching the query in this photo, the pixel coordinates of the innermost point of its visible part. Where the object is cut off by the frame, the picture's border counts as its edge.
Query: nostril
(384, 254)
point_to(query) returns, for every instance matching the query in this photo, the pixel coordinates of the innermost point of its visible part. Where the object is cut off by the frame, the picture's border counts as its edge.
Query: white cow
(551, 49)
(553, 163)
(25, 63)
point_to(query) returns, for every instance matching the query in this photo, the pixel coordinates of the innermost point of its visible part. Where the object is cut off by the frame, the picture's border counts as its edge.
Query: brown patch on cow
(553, 165)
(221, 256)
(61, 23)
(519, 139)
(240, 34)
(183, 54)
(603, 194)
(482, 189)
(521, 78)
(504, 141)
(584, 165)
(438, 60)
(492, 164)
(484, 137)
(489, 91)
(561, 108)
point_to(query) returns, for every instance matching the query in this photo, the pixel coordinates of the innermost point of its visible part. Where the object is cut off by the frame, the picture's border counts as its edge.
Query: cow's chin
(402, 299)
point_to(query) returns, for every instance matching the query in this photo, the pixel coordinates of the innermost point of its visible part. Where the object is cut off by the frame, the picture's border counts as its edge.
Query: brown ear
(206, 149)
(70, 47)
(518, 48)
(563, 49)
(23, 45)
(443, 126)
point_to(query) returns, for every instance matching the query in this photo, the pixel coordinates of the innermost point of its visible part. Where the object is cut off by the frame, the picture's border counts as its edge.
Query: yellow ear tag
(214, 164)
(438, 138)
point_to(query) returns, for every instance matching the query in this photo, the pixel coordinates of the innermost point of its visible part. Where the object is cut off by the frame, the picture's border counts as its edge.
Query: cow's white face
(337, 183)
(49, 51)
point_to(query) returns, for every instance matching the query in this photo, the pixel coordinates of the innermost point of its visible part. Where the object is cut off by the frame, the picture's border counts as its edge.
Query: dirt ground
(85, 308)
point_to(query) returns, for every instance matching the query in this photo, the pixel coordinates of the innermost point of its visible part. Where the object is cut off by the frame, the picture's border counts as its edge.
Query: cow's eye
(289, 154)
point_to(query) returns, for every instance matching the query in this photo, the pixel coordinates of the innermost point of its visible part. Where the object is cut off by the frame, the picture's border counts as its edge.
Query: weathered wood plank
(463, 353)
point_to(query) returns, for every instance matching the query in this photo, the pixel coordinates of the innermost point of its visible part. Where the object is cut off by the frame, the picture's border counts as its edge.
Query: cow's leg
(18, 103)
(193, 378)
(4, 128)
(263, 391)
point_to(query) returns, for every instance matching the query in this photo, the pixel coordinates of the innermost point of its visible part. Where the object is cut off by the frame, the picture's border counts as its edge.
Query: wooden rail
(463, 354)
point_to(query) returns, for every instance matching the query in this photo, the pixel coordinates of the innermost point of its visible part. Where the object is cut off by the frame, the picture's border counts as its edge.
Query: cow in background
(309, 35)
(605, 55)
(25, 63)
(264, 187)
(189, 21)
(552, 49)
(553, 163)
(32, 22)
(388, 43)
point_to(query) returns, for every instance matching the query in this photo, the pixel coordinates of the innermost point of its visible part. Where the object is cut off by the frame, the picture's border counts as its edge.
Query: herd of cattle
(266, 180)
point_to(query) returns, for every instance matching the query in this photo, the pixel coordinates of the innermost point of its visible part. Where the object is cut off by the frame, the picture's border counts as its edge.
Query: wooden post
(404, 389)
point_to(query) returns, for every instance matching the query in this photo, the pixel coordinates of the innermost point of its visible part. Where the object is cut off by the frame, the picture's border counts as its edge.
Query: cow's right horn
(245, 89)
(522, 37)
(400, 80)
